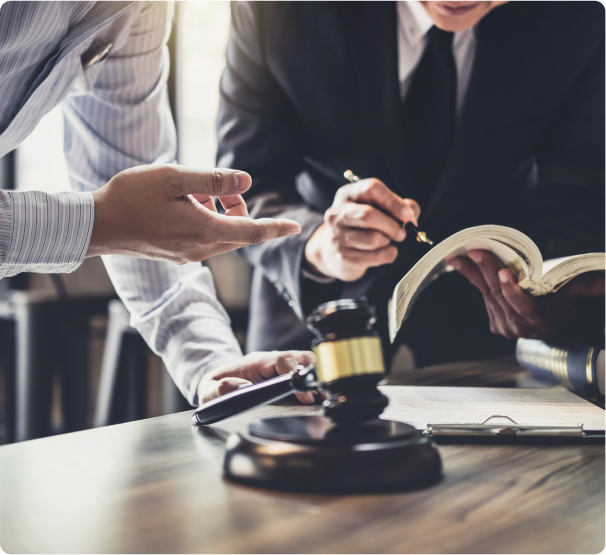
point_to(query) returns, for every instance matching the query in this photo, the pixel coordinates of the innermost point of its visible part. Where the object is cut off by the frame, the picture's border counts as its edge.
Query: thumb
(246, 231)
(217, 183)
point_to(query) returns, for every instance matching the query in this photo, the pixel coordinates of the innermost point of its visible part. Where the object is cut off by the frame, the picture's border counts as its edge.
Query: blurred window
(202, 32)
(40, 161)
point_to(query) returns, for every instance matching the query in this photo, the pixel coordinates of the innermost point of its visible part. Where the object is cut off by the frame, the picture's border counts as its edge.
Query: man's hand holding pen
(359, 230)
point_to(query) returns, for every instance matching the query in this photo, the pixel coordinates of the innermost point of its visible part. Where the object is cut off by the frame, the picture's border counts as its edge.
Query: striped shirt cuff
(44, 233)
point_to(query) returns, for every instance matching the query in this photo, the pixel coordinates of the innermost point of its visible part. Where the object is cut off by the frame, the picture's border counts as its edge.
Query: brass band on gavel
(348, 357)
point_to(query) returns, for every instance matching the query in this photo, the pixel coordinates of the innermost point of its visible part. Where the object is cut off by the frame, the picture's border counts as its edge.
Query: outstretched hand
(167, 212)
(513, 312)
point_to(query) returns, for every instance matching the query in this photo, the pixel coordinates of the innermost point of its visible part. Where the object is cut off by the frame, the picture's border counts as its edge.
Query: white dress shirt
(116, 116)
(413, 26)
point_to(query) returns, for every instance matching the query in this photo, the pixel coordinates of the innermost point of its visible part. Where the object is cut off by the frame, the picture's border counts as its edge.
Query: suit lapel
(374, 46)
(502, 43)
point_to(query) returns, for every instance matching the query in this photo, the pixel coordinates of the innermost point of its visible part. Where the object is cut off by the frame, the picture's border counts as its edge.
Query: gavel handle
(244, 399)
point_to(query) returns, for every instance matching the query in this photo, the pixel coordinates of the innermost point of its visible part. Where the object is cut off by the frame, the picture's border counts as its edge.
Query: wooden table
(156, 486)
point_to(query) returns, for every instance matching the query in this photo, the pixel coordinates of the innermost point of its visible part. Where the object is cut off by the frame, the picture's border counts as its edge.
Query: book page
(420, 405)
(559, 271)
(513, 248)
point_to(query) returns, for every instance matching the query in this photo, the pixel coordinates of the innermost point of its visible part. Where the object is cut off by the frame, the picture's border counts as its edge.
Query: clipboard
(512, 433)
(497, 415)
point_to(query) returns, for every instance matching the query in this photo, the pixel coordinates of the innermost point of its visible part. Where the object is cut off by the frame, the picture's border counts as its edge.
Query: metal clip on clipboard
(487, 429)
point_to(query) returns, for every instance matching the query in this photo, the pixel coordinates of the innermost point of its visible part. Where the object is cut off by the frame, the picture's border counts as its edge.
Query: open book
(515, 250)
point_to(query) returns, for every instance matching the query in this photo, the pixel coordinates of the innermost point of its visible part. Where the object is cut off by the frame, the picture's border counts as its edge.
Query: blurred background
(58, 332)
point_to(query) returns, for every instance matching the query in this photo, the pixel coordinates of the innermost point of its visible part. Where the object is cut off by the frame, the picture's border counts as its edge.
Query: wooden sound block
(311, 453)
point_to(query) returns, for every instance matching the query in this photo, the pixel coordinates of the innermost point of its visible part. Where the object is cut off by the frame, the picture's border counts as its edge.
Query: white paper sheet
(420, 405)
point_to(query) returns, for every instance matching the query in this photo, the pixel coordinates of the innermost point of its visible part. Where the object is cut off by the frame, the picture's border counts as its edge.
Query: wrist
(101, 241)
(313, 259)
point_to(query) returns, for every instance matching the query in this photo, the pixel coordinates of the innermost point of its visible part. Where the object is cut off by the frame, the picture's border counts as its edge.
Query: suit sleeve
(568, 204)
(259, 132)
(567, 207)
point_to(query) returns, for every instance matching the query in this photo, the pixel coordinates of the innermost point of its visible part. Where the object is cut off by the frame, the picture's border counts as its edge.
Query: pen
(410, 228)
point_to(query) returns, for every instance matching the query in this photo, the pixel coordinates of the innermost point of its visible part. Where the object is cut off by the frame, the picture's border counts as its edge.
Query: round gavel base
(311, 453)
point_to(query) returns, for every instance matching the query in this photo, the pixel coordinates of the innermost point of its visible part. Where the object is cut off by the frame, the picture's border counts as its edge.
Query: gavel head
(349, 360)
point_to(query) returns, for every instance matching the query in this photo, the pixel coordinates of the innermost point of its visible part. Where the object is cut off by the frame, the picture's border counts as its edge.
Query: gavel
(349, 366)
(347, 449)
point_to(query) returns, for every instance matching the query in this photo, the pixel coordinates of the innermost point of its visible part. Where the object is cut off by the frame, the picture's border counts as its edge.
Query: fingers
(489, 265)
(519, 308)
(585, 285)
(517, 298)
(204, 200)
(212, 389)
(363, 216)
(468, 269)
(511, 311)
(283, 362)
(234, 206)
(376, 193)
(306, 397)
(245, 231)
(253, 368)
(366, 240)
(217, 182)
(287, 362)
(497, 314)
(368, 259)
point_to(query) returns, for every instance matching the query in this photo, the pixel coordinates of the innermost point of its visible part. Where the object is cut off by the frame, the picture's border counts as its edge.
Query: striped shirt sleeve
(126, 121)
(44, 233)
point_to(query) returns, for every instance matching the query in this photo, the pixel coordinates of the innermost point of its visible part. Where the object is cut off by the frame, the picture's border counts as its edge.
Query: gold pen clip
(420, 235)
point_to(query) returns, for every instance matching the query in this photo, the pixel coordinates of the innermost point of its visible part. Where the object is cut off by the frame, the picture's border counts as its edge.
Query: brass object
(421, 235)
(559, 365)
(350, 176)
(348, 357)
(422, 238)
(588, 372)
(556, 361)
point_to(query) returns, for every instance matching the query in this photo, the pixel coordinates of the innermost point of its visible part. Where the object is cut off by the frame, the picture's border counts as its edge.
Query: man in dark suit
(460, 114)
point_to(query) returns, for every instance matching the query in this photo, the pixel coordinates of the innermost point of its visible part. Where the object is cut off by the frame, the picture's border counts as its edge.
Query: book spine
(573, 366)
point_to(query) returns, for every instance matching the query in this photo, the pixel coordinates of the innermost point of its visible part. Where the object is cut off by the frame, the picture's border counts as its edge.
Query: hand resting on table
(251, 369)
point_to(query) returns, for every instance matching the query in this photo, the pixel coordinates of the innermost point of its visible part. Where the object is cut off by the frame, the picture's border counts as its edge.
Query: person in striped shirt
(107, 64)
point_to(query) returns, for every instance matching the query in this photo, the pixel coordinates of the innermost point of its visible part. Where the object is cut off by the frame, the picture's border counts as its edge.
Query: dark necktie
(429, 114)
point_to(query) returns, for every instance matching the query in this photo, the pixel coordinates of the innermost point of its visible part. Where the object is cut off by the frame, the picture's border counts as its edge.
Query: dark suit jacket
(311, 89)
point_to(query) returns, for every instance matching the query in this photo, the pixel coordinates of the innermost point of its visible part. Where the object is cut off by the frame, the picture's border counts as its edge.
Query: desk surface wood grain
(156, 486)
